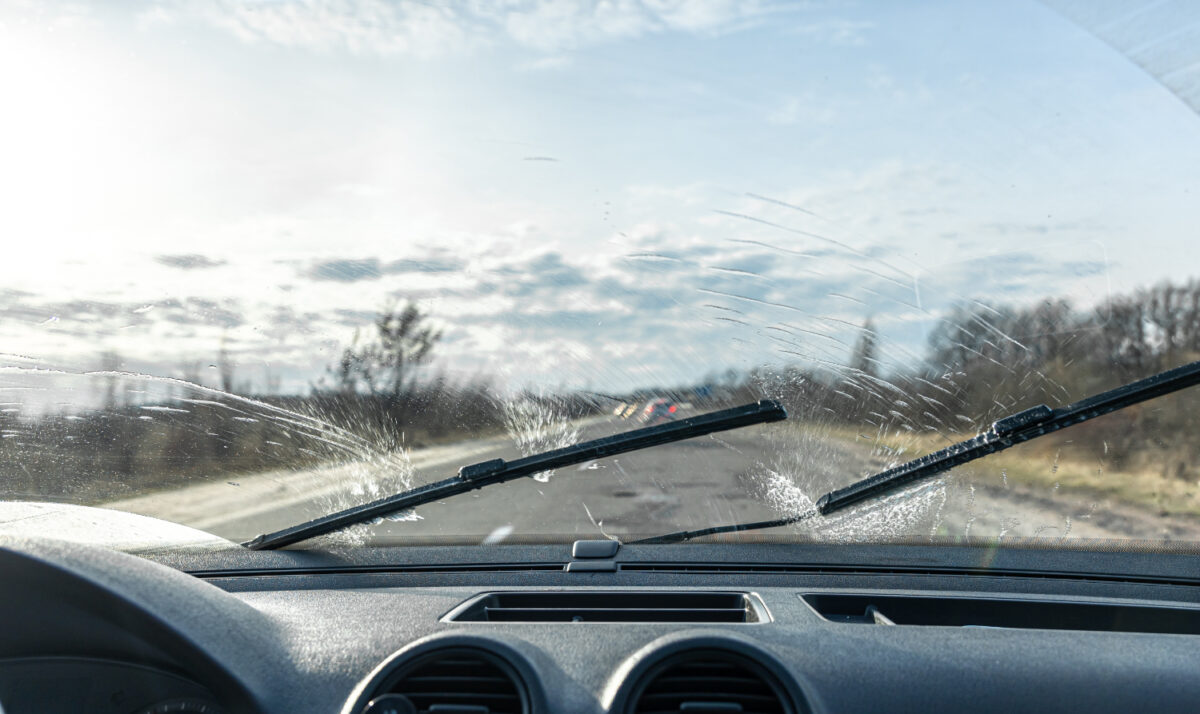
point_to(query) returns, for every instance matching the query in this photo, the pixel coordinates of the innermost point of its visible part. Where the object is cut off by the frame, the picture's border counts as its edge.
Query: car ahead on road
(659, 410)
(625, 410)
(328, 330)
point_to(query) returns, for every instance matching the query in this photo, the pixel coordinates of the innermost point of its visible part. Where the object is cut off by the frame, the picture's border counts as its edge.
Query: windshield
(267, 260)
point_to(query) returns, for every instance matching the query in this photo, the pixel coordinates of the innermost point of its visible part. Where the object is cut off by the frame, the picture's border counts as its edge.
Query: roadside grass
(1055, 462)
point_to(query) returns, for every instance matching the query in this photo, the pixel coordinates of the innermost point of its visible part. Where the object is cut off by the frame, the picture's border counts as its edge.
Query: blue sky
(606, 194)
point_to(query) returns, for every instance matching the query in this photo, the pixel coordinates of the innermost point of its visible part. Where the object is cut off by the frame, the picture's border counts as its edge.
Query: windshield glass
(265, 260)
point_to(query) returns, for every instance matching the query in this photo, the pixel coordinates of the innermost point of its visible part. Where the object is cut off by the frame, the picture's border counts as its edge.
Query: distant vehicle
(659, 410)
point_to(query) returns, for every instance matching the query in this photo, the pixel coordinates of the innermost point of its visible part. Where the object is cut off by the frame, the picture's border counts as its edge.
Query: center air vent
(595, 606)
(458, 679)
(709, 681)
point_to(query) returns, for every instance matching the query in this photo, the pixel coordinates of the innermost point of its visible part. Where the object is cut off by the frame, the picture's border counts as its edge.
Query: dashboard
(98, 686)
(772, 628)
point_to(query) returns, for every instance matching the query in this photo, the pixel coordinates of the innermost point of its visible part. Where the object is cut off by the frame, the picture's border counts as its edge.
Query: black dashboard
(764, 627)
(98, 686)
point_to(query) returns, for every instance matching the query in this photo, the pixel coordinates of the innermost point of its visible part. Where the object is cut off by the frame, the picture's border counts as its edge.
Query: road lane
(698, 481)
(750, 474)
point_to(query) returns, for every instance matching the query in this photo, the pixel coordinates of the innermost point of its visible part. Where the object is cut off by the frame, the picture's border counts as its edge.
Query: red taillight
(671, 408)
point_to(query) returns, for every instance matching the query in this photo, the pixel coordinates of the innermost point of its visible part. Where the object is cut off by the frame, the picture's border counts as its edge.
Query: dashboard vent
(458, 679)
(1006, 613)
(709, 681)
(595, 606)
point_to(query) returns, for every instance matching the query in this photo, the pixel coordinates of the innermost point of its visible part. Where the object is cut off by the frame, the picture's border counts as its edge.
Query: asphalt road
(751, 474)
(687, 484)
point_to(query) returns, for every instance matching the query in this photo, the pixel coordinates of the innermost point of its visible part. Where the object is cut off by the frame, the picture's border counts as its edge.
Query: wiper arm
(496, 471)
(1003, 434)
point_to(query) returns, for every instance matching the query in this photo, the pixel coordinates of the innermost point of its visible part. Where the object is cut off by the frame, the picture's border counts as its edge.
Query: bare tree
(864, 357)
(386, 367)
(271, 380)
(110, 362)
(225, 368)
(403, 343)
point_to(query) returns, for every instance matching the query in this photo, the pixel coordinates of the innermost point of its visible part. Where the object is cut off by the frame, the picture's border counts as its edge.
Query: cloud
(421, 29)
(549, 26)
(425, 265)
(346, 270)
(620, 318)
(352, 270)
(196, 311)
(283, 321)
(190, 261)
(354, 26)
(543, 275)
(353, 318)
(808, 110)
(546, 64)
(836, 31)
(25, 307)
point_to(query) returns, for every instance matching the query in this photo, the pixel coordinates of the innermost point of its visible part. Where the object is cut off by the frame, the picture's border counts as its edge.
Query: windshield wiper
(496, 471)
(1004, 433)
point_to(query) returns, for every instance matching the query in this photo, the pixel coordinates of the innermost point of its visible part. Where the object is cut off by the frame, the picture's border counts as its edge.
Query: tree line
(379, 395)
(981, 361)
(984, 361)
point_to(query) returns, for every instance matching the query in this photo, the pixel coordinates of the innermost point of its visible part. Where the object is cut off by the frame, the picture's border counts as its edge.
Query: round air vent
(457, 679)
(711, 681)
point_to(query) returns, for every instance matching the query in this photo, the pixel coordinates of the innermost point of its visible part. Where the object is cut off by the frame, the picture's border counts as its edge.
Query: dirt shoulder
(1044, 493)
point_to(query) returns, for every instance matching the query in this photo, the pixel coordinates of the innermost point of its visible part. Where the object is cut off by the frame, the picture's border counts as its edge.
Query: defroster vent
(610, 606)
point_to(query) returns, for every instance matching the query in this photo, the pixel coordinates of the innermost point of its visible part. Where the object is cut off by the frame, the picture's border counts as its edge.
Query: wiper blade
(1003, 434)
(496, 471)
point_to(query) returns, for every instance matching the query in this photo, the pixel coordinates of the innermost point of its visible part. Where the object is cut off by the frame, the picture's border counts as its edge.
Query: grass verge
(1053, 463)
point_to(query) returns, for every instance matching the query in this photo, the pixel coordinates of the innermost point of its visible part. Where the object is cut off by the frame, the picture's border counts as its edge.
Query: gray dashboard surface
(300, 631)
(339, 636)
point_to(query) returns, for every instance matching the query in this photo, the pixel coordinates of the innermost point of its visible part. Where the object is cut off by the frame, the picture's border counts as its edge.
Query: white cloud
(546, 64)
(836, 31)
(808, 110)
(355, 26)
(49, 16)
(424, 29)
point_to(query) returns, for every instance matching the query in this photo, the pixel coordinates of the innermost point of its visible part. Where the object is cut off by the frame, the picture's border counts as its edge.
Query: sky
(603, 195)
